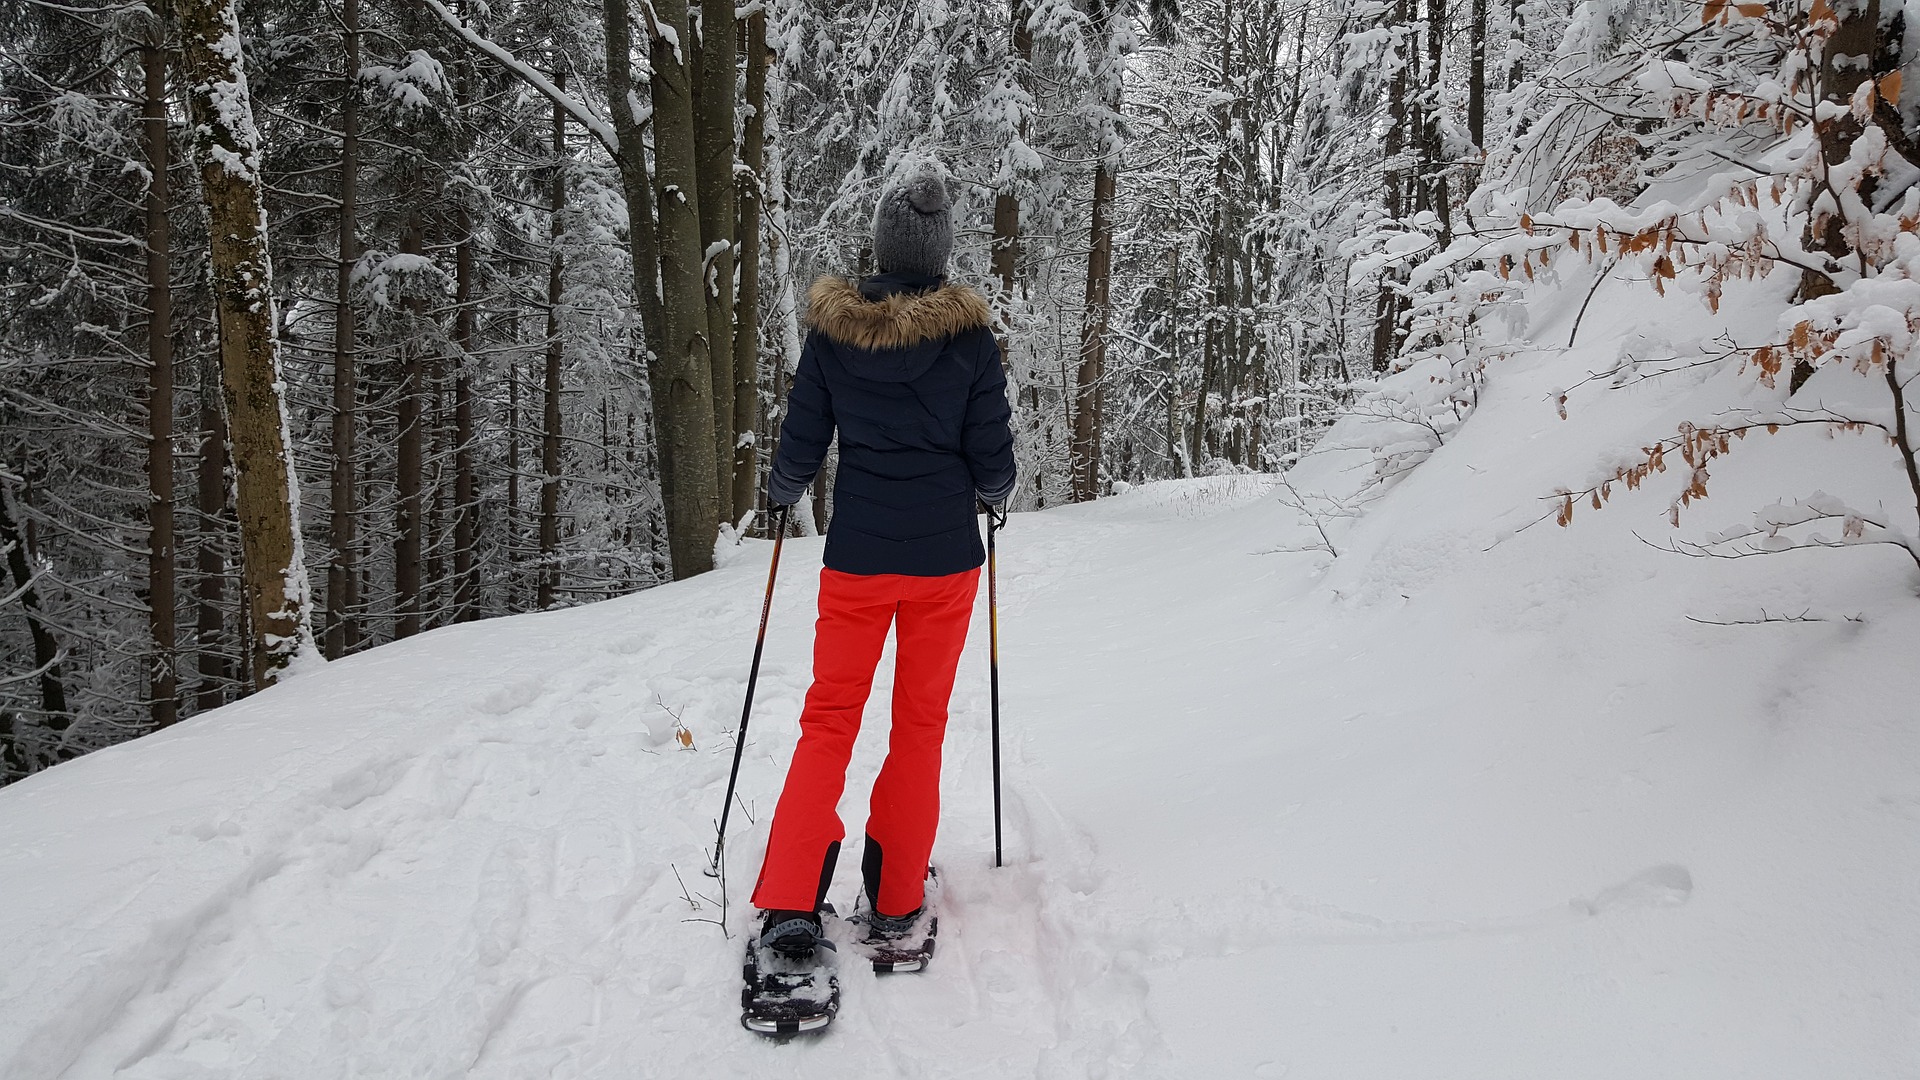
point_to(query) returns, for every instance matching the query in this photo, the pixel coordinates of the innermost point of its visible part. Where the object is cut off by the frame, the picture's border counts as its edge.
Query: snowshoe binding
(791, 983)
(899, 943)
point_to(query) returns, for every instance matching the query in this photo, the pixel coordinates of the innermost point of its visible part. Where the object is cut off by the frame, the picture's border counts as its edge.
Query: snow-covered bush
(1774, 145)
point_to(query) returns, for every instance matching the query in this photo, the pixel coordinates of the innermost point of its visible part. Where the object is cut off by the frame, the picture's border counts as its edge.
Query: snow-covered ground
(1480, 798)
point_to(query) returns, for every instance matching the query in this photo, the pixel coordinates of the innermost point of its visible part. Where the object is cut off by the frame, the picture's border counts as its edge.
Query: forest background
(327, 322)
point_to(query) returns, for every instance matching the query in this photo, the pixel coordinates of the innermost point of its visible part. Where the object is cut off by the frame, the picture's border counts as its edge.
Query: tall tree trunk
(1389, 303)
(274, 572)
(550, 418)
(465, 486)
(434, 589)
(1006, 201)
(466, 496)
(1477, 76)
(210, 586)
(643, 240)
(1216, 334)
(714, 53)
(746, 341)
(1516, 41)
(409, 414)
(1433, 148)
(46, 652)
(1244, 192)
(1210, 348)
(787, 304)
(1178, 462)
(1288, 130)
(1854, 54)
(636, 182)
(667, 284)
(1847, 62)
(1093, 337)
(162, 692)
(343, 574)
(513, 483)
(683, 379)
(1085, 450)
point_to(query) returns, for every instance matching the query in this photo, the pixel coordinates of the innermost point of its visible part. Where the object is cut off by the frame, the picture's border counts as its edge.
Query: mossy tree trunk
(267, 495)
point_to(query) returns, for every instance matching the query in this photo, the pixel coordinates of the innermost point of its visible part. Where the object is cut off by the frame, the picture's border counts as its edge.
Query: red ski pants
(929, 616)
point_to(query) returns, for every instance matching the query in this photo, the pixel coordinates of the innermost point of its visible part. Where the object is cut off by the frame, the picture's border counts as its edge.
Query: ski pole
(993, 667)
(746, 710)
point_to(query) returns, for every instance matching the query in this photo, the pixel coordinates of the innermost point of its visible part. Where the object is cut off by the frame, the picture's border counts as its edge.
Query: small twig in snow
(684, 894)
(1765, 618)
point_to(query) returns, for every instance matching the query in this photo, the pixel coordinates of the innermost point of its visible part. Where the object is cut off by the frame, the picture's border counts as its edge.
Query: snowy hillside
(1482, 797)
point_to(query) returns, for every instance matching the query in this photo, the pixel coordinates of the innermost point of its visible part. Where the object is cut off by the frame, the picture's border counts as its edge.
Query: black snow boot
(794, 934)
(889, 927)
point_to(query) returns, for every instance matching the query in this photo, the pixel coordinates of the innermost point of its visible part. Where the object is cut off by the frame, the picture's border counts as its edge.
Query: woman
(905, 366)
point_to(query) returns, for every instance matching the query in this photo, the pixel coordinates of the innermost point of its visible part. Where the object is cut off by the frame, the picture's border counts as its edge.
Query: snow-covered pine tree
(1183, 235)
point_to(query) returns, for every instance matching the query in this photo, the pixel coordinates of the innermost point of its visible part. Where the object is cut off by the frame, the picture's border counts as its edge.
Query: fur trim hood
(903, 320)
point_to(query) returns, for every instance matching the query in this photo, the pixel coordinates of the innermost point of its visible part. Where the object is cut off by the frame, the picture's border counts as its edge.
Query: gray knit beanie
(912, 228)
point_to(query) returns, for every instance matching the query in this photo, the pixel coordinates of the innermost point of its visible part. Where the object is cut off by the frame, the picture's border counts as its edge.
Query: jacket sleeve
(988, 434)
(805, 434)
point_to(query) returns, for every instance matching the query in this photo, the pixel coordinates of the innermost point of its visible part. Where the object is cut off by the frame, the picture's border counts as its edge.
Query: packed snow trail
(479, 853)
(1479, 798)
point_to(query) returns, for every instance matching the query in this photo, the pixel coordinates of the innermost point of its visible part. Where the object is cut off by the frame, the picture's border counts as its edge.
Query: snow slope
(1480, 798)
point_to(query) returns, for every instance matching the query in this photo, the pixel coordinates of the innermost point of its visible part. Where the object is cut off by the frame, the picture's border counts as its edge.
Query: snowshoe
(899, 943)
(791, 982)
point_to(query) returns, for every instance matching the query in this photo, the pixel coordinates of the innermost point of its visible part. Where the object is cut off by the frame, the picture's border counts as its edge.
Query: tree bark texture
(513, 482)
(549, 575)
(1093, 334)
(210, 587)
(1477, 76)
(746, 340)
(1006, 201)
(46, 651)
(682, 375)
(714, 54)
(434, 606)
(409, 417)
(1517, 41)
(636, 181)
(1178, 454)
(1847, 62)
(1432, 149)
(1244, 182)
(267, 495)
(1853, 55)
(343, 574)
(1390, 302)
(1218, 315)
(466, 493)
(162, 690)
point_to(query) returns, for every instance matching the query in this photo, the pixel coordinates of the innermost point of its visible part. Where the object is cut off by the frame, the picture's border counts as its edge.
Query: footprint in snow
(1667, 885)
(512, 697)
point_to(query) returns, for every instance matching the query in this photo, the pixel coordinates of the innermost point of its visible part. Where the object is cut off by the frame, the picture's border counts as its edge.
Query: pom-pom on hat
(912, 225)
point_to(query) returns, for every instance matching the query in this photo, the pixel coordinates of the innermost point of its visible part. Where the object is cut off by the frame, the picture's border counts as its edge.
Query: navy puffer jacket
(908, 371)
